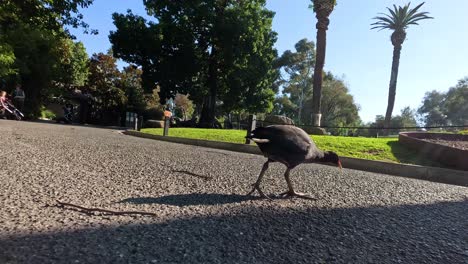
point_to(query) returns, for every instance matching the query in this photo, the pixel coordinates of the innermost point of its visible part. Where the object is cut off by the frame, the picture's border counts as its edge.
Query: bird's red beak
(339, 164)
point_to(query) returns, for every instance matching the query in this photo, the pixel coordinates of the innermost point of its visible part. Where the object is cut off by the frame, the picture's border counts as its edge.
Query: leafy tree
(399, 19)
(30, 32)
(407, 118)
(130, 83)
(450, 108)
(456, 103)
(35, 60)
(152, 100)
(221, 52)
(432, 110)
(299, 67)
(153, 110)
(284, 106)
(103, 85)
(72, 69)
(7, 58)
(322, 9)
(139, 42)
(338, 106)
(184, 104)
(44, 14)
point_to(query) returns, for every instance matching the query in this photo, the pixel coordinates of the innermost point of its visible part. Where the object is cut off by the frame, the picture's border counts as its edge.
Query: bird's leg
(291, 192)
(256, 185)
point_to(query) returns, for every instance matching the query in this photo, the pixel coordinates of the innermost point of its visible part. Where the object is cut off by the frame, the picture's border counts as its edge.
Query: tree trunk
(322, 26)
(393, 84)
(207, 118)
(208, 114)
(32, 88)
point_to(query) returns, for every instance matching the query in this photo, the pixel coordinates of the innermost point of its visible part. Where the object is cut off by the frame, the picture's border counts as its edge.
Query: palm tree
(322, 9)
(398, 20)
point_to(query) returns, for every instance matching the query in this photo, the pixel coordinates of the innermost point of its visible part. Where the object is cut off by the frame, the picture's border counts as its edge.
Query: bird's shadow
(191, 199)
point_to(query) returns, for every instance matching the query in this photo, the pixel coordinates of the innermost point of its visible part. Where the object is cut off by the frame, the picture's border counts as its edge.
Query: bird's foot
(290, 194)
(257, 188)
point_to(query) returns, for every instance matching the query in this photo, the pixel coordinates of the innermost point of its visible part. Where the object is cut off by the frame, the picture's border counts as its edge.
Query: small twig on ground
(194, 174)
(90, 210)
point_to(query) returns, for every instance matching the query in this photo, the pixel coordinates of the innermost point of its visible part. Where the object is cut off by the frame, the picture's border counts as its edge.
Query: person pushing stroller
(3, 102)
(7, 107)
(18, 97)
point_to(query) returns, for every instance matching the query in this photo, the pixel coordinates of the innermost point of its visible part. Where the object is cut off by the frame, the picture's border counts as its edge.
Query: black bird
(291, 146)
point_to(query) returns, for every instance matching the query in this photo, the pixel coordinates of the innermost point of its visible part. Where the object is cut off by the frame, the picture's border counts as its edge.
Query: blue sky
(434, 55)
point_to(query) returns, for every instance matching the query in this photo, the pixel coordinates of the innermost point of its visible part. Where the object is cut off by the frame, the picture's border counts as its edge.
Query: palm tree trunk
(393, 84)
(322, 26)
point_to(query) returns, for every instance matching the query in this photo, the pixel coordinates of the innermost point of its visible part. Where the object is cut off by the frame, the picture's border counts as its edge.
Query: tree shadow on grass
(409, 156)
(429, 233)
(191, 199)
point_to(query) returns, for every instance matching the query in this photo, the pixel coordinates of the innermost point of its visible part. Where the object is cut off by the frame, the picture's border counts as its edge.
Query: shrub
(47, 114)
(153, 113)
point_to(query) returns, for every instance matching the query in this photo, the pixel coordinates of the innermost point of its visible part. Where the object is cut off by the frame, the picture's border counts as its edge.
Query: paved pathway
(202, 213)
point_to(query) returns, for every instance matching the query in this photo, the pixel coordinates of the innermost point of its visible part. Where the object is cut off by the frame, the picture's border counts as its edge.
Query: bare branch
(90, 210)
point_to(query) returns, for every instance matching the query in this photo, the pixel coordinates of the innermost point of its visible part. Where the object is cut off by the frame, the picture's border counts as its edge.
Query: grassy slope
(383, 149)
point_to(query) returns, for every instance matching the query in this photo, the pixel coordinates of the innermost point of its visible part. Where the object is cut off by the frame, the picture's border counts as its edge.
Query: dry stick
(88, 210)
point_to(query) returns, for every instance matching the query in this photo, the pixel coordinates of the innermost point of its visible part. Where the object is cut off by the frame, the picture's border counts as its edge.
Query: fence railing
(363, 127)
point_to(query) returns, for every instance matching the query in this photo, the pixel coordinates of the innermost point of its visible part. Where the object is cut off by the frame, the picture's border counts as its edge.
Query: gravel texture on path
(202, 213)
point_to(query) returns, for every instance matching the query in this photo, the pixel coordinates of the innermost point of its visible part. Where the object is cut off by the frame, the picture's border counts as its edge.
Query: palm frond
(414, 10)
(393, 13)
(383, 20)
(399, 18)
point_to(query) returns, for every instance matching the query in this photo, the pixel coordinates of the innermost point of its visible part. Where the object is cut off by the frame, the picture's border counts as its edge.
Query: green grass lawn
(383, 149)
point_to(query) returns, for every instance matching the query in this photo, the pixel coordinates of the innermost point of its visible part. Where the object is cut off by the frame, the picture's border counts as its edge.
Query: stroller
(12, 110)
(68, 114)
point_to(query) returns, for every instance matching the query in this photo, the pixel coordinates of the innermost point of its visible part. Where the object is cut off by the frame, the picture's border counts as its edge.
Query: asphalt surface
(202, 214)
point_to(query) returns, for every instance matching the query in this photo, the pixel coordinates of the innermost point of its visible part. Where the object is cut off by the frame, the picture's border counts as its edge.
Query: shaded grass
(382, 149)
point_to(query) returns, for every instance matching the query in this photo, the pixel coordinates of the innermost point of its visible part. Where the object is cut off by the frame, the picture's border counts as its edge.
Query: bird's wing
(284, 139)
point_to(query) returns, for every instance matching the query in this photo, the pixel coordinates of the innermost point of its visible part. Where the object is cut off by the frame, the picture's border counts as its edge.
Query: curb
(434, 174)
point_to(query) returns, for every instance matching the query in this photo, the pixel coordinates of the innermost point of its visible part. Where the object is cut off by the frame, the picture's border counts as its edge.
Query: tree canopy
(36, 49)
(338, 106)
(298, 68)
(449, 108)
(45, 14)
(220, 52)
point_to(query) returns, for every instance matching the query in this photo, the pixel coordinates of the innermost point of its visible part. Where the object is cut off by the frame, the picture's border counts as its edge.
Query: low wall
(452, 157)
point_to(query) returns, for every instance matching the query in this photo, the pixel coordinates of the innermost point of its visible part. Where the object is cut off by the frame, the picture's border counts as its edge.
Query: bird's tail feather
(255, 135)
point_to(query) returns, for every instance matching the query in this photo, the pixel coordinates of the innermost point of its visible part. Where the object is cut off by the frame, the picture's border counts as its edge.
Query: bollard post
(129, 119)
(135, 122)
(166, 126)
(140, 123)
(250, 127)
